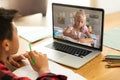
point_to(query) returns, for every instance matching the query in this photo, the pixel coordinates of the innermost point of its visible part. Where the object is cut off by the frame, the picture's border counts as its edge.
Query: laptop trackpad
(55, 55)
(51, 54)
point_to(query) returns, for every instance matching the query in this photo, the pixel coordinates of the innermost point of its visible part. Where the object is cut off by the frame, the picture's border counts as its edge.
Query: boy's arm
(6, 74)
(52, 76)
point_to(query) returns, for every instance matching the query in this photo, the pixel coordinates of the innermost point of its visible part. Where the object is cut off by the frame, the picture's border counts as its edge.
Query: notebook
(67, 50)
(33, 34)
(27, 71)
(114, 41)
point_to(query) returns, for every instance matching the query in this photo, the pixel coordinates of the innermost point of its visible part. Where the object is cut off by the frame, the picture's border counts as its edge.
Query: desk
(95, 69)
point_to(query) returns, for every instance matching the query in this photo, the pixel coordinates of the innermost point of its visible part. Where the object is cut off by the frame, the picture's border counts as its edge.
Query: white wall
(73, 2)
(3, 3)
(109, 6)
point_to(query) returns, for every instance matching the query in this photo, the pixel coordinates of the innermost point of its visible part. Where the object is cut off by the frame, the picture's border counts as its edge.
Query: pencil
(112, 65)
(30, 47)
(111, 60)
(33, 61)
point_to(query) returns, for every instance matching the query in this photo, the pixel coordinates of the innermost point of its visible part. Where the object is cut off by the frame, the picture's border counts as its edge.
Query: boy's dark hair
(6, 18)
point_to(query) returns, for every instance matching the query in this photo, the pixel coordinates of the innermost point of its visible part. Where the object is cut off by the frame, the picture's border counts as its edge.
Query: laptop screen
(78, 24)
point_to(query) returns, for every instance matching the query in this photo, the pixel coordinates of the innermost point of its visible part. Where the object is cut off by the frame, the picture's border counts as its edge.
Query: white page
(33, 33)
(27, 71)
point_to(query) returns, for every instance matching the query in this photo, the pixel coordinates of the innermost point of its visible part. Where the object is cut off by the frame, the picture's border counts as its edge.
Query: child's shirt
(6, 74)
(78, 33)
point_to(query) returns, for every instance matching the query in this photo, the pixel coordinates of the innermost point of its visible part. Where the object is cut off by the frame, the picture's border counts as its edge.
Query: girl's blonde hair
(80, 13)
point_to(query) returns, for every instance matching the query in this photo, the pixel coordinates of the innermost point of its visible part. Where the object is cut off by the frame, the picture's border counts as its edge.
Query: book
(113, 60)
(112, 56)
(27, 71)
(33, 34)
(110, 65)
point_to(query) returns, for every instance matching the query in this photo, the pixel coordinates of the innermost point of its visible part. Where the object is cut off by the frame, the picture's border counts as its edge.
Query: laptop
(66, 50)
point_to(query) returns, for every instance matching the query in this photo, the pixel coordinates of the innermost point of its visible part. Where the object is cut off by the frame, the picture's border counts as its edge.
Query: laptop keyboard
(69, 49)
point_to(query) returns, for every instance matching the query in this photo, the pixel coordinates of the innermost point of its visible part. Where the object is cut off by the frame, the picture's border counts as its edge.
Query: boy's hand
(40, 62)
(14, 59)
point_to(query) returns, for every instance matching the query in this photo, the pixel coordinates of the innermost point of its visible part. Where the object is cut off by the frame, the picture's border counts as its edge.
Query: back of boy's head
(6, 18)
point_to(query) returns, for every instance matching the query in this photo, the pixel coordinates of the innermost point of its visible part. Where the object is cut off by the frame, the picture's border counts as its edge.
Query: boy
(9, 45)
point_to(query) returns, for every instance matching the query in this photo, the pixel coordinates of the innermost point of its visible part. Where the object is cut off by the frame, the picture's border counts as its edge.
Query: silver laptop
(66, 50)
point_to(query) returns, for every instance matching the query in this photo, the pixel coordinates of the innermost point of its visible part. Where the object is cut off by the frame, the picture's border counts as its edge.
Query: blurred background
(41, 9)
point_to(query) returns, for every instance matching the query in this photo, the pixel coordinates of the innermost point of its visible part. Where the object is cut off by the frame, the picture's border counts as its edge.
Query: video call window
(77, 25)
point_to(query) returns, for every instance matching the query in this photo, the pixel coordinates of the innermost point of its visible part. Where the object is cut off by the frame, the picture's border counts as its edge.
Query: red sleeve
(51, 76)
(6, 74)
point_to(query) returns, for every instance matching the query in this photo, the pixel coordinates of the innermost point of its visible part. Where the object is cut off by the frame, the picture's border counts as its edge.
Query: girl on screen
(78, 29)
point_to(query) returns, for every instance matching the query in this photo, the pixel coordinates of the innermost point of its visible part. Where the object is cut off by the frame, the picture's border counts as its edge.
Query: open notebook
(55, 68)
(34, 33)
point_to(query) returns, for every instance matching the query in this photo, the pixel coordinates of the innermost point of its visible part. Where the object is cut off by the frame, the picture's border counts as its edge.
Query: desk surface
(95, 69)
